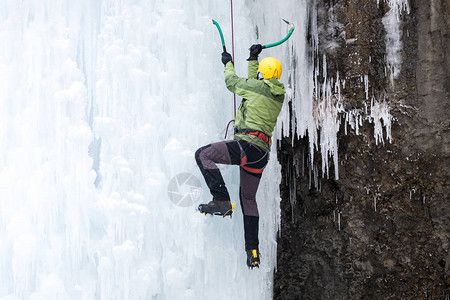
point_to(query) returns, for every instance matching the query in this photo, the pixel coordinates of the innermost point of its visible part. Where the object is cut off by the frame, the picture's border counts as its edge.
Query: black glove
(226, 57)
(255, 50)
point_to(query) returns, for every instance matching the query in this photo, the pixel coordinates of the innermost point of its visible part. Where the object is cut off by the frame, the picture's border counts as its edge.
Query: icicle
(380, 115)
(328, 110)
(346, 122)
(310, 178)
(303, 162)
(292, 188)
(339, 221)
(366, 85)
(391, 22)
(316, 178)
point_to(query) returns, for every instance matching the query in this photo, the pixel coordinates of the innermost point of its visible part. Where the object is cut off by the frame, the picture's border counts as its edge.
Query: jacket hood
(276, 87)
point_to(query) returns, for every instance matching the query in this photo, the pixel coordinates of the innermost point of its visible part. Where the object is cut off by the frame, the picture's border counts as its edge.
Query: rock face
(382, 230)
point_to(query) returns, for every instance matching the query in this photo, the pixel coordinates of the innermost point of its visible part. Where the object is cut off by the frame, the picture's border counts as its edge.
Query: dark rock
(382, 230)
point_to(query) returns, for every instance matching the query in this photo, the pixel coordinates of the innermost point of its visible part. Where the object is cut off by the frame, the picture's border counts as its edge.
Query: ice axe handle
(221, 35)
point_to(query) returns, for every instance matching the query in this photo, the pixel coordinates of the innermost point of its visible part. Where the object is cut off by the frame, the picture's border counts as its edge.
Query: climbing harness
(261, 135)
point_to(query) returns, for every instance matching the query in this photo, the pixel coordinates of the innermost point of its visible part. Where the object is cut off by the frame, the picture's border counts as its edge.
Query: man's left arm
(232, 80)
(255, 50)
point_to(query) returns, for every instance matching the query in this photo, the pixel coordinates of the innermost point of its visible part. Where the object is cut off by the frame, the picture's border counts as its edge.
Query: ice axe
(265, 46)
(283, 40)
(221, 35)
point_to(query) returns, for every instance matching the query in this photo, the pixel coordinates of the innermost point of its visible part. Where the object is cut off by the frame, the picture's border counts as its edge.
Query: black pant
(252, 160)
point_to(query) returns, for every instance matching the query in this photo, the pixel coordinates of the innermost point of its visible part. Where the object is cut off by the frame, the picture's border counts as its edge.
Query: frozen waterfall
(102, 104)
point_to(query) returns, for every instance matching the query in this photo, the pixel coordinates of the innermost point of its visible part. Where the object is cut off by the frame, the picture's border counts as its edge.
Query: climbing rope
(232, 51)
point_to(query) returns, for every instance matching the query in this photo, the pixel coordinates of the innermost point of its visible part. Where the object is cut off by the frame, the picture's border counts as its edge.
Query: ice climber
(263, 97)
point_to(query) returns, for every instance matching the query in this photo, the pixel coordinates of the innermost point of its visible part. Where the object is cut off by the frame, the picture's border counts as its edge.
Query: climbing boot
(218, 208)
(253, 258)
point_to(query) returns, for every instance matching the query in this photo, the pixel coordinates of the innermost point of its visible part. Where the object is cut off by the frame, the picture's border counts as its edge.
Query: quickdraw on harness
(251, 170)
(244, 161)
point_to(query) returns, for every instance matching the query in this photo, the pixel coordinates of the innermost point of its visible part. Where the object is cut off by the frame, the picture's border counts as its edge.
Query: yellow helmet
(270, 67)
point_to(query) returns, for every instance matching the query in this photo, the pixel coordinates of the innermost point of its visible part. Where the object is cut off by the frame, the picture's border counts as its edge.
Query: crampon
(217, 208)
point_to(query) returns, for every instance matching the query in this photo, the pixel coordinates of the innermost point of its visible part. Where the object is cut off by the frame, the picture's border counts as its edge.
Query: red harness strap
(261, 135)
(251, 170)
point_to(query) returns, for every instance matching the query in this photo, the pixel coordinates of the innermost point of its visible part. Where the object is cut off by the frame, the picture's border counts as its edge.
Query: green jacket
(261, 103)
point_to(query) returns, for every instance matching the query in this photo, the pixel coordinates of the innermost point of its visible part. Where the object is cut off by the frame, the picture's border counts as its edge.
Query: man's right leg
(250, 175)
(207, 157)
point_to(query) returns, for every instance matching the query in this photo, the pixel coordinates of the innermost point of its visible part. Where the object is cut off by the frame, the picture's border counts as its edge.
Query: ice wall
(101, 104)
